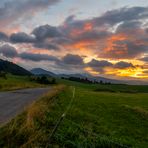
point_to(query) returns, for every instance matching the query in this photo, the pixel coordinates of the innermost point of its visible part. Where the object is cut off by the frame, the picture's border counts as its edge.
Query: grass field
(16, 82)
(99, 116)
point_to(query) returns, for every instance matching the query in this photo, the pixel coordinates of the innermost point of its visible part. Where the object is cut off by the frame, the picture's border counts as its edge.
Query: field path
(14, 102)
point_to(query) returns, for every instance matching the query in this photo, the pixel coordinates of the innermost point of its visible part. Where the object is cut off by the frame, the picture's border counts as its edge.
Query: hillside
(12, 68)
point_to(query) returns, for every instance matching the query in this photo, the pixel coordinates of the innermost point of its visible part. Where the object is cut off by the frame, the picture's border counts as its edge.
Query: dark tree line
(43, 79)
(85, 80)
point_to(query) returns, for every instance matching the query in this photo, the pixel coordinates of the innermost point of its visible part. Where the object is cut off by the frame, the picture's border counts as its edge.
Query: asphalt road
(14, 102)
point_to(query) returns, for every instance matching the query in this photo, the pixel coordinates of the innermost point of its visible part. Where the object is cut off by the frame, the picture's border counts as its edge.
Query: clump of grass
(38, 109)
(138, 110)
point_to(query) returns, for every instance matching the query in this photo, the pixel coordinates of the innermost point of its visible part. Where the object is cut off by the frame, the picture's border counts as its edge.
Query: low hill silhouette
(9, 67)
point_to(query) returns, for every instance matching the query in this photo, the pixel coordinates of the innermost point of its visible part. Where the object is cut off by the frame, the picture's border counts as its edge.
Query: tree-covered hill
(12, 68)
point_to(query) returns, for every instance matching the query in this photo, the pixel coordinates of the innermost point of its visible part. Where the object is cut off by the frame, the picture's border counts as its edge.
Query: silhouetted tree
(3, 74)
(101, 82)
(53, 81)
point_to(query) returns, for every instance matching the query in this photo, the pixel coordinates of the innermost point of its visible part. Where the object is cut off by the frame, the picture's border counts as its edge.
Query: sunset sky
(106, 38)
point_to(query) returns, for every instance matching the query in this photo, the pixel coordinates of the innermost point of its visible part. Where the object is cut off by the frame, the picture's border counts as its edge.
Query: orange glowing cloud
(123, 46)
(88, 26)
(136, 72)
(41, 51)
(111, 41)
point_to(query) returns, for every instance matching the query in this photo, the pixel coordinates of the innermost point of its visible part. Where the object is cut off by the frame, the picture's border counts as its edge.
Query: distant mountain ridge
(105, 80)
(40, 71)
(12, 68)
(92, 78)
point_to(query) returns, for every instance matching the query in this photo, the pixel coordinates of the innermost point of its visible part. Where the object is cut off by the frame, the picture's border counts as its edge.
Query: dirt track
(14, 102)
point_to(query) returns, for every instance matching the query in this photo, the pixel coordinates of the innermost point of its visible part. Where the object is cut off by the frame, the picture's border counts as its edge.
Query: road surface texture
(14, 102)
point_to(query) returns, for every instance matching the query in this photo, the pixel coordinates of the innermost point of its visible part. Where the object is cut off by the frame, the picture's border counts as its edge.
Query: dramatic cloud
(46, 45)
(129, 26)
(37, 57)
(119, 38)
(122, 15)
(22, 37)
(44, 34)
(46, 31)
(102, 66)
(110, 18)
(145, 59)
(10, 11)
(117, 34)
(113, 35)
(145, 72)
(96, 63)
(124, 48)
(72, 60)
(3, 37)
(8, 51)
(123, 65)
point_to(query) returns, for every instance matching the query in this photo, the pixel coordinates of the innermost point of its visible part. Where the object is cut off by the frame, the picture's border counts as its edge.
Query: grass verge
(31, 128)
(95, 119)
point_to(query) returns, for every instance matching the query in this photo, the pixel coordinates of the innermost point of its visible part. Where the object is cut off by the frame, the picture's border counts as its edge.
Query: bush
(43, 80)
(3, 75)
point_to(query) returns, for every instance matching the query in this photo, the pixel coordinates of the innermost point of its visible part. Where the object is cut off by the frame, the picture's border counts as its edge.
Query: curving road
(14, 102)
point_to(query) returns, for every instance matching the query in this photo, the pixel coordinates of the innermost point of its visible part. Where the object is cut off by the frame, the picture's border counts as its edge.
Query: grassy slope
(96, 119)
(16, 82)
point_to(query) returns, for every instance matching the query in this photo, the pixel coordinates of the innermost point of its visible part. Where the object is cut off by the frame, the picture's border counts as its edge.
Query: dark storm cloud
(61, 40)
(37, 57)
(121, 15)
(135, 49)
(111, 17)
(36, 41)
(100, 65)
(71, 59)
(46, 31)
(91, 35)
(123, 65)
(10, 11)
(129, 25)
(71, 63)
(145, 59)
(8, 51)
(3, 37)
(46, 45)
(97, 63)
(44, 35)
(22, 37)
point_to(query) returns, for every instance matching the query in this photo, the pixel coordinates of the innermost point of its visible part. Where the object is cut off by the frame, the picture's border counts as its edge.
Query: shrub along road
(14, 102)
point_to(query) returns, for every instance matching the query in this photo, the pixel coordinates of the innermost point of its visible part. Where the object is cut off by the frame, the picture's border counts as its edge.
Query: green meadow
(105, 116)
(14, 82)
